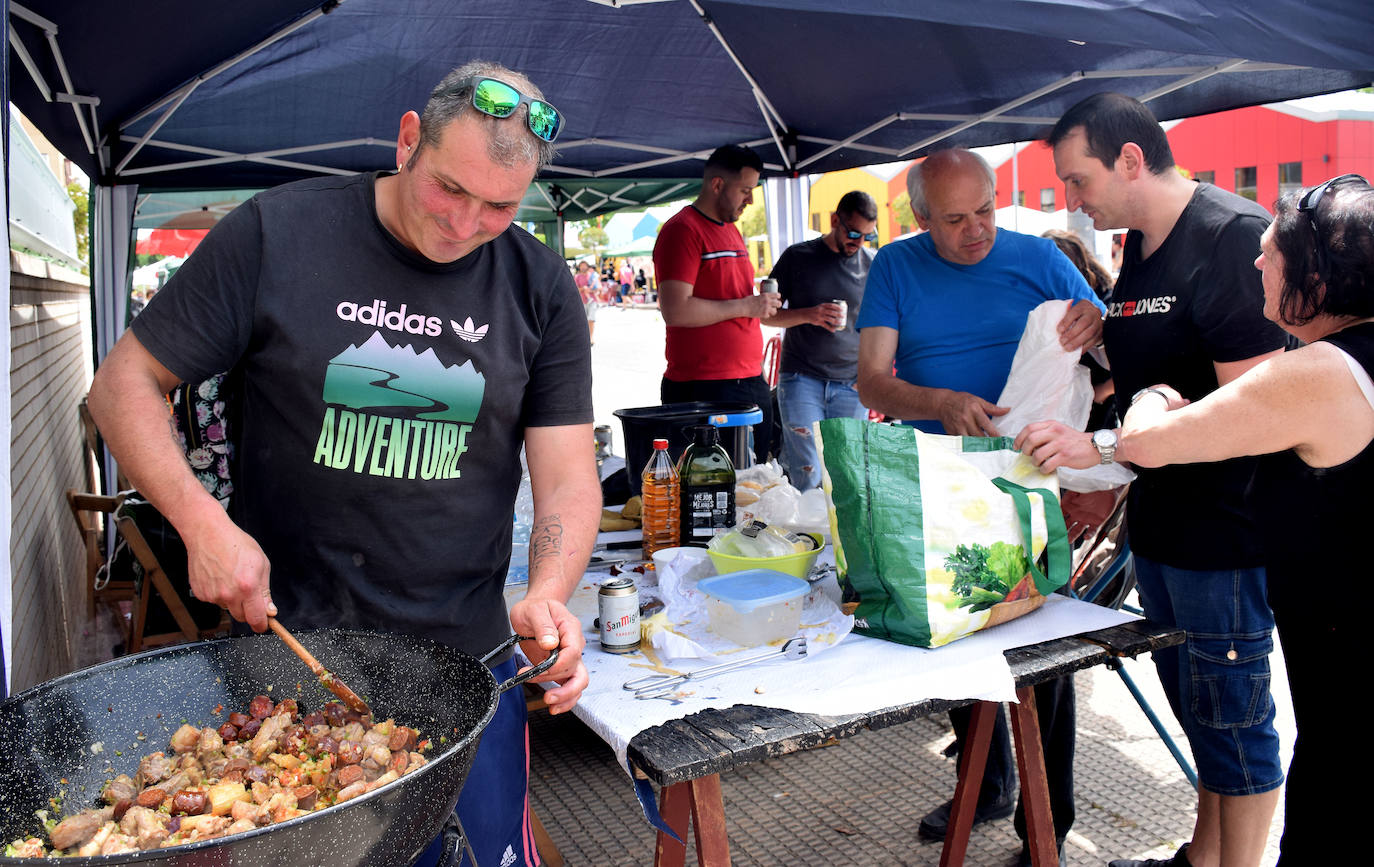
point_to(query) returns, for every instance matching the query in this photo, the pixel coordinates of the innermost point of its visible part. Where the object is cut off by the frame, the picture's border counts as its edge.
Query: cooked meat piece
(238, 720)
(154, 768)
(151, 798)
(78, 829)
(349, 774)
(260, 707)
(256, 774)
(121, 788)
(306, 796)
(210, 741)
(312, 719)
(238, 751)
(400, 760)
(268, 737)
(92, 846)
(118, 844)
(334, 712)
(288, 706)
(372, 737)
(403, 738)
(353, 731)
(146, 826)
(120, 808)
(416, 760)
(245, 810)
(185, 738)
(229, 732)
(249, 729)
(261, 793)
(294, 738)
(388, 777)
(329, 744)
(175, 783)
(190, 802)
(214, 764)
(239, 826)
(350, 752)
(203, 827)
(375, 758)
(348, 793)
(233, 770)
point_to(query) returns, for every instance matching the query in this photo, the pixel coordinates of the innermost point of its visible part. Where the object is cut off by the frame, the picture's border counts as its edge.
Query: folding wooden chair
(137, 589)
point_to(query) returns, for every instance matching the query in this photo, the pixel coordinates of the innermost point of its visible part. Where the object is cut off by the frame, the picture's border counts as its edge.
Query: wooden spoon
(332, 683)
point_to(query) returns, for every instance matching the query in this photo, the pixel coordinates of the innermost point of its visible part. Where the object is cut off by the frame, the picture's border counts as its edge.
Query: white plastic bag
(1048, 384)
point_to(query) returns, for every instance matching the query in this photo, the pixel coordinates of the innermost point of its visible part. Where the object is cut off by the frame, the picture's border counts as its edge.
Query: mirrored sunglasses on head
(496, 98)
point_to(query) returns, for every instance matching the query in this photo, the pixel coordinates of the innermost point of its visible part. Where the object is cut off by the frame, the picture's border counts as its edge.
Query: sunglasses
(1307, 206)
(496, 98)
(854, 236)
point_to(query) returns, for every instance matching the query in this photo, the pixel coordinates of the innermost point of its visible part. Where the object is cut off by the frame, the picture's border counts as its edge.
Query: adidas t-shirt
(382, 403)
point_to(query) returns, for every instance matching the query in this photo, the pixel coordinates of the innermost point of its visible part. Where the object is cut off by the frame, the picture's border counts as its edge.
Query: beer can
(617, 603)
(844, 312)
(768, 284)
(603, 441)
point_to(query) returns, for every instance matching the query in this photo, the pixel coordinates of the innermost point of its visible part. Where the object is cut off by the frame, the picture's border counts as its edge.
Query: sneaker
(936, 823)
(1180, 859)
(1025, 859)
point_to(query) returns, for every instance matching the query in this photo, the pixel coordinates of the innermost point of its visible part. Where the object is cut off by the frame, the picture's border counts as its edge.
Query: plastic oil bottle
(708, 487)
(661, 493)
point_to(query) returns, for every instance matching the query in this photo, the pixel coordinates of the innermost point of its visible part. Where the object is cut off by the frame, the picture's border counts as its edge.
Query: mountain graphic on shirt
(404, 383)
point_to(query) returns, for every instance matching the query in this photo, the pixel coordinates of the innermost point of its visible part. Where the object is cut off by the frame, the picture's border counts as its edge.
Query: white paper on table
(861, 675)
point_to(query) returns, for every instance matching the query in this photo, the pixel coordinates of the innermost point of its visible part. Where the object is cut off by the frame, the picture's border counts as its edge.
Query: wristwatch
(1105, 442)
(1148, 390)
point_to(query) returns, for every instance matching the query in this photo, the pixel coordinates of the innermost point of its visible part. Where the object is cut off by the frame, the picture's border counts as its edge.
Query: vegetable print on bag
(939, 535)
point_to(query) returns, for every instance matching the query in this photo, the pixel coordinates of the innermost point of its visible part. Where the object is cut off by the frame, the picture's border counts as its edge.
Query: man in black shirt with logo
(1187, 311)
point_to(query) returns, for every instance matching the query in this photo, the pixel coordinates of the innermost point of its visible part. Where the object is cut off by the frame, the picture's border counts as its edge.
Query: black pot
(49, 734)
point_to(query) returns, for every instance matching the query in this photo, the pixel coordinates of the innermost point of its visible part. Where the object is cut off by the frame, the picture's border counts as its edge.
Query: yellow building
(877, 181)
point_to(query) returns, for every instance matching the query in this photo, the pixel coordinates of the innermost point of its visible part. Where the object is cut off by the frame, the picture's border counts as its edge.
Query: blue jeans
(803, 400)
(1218, 682)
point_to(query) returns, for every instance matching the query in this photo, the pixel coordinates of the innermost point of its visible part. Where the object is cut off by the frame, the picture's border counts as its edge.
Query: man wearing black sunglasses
(396, 341)
(1188, 310)
(820, 353)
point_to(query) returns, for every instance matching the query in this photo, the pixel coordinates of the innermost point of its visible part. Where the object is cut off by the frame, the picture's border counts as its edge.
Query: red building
(1258, 152)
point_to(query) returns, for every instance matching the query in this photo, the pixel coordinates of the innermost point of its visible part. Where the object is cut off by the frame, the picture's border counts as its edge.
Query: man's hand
(762, 305)
(827, 316)
(552, 626)
(964, 414)
(228, 568)
(1053, 445)
(1081, 327)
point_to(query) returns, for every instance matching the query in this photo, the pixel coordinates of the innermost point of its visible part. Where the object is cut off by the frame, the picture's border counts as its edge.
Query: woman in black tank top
(1310, 414)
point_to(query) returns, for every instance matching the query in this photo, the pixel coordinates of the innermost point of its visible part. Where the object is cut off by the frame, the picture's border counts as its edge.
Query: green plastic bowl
(797, 565)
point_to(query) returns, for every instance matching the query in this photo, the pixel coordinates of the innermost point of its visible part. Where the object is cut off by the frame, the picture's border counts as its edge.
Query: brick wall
(50, 371)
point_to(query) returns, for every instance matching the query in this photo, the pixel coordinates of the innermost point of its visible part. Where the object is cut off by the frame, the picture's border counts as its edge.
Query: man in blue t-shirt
(947, 308)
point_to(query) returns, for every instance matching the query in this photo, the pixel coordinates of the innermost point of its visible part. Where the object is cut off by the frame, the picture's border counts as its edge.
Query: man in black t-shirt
(396, 341)
(1187, 311)
(820, 349)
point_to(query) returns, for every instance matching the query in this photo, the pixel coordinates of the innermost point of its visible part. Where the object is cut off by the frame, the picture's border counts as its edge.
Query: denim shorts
(1217, 682)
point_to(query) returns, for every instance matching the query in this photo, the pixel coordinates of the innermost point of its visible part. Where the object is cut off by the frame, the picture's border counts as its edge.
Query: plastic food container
(796, 565)
(754, 607)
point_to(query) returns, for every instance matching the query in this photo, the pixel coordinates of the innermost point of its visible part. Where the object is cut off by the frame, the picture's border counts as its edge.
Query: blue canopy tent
(258, 92)
(264, 91)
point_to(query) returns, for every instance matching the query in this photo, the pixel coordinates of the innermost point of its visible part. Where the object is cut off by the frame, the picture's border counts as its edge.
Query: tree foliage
(754, 220)
(592, 237)
(901, 210)
(81, 219)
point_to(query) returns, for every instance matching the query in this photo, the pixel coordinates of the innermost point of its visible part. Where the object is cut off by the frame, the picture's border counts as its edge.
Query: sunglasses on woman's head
(1307, 206)
(496, 98)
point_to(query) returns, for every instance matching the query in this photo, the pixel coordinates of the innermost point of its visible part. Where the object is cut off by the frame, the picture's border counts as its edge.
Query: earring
(398, 167)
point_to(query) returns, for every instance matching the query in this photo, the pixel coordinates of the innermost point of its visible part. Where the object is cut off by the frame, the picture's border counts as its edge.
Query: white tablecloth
(860, 675)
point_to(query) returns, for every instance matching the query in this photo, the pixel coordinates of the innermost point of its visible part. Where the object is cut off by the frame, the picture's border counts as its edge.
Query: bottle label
(707, 510)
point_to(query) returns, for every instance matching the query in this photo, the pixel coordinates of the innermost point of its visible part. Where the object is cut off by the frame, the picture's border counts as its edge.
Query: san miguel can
(617, 602)
(844, 312)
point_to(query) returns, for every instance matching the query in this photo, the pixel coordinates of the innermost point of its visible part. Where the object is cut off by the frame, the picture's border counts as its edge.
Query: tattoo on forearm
(547, 538)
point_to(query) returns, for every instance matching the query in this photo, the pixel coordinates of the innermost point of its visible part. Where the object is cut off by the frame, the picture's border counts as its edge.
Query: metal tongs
(660, 685)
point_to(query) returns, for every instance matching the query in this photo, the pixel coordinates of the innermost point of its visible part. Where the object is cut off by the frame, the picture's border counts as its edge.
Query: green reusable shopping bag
(939, 535)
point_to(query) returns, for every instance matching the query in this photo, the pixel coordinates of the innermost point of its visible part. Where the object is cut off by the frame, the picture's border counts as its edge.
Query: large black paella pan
(66, 737)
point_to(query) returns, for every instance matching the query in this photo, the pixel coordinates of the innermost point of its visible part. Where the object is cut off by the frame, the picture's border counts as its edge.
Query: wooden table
(686, 757)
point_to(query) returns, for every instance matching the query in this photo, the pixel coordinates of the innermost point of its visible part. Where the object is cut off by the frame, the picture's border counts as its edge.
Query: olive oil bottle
(707, 478)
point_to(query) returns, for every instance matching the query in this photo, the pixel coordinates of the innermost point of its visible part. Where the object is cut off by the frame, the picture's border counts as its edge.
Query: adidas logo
(469, 332)
(377, 315)
(508, 856)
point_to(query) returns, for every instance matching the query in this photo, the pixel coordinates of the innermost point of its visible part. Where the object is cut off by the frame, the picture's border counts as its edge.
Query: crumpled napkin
(679, 630)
